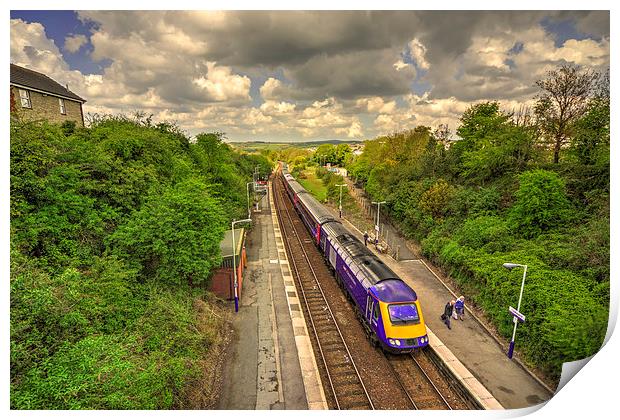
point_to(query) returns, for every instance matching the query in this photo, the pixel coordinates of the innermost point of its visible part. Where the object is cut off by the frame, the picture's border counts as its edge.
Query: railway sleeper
(331, 343)
(345, 379)
(349, 390)
(340, 371)
(322, 317)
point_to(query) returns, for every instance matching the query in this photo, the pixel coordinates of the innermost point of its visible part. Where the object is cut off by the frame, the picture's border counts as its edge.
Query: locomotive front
(402, 326)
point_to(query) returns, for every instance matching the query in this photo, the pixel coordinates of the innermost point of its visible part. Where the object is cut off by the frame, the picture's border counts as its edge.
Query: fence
(390, 239)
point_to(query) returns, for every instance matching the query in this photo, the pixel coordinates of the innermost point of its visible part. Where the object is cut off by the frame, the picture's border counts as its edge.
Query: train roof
(371, 268)
(295, 186)
(395, 290)
(320, 213)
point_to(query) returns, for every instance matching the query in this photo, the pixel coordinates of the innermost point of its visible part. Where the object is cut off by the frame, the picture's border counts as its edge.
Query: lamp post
(510, 266)
(247, 187)
(256, 179)
(378, 203)
(234, 250)
(340, 202)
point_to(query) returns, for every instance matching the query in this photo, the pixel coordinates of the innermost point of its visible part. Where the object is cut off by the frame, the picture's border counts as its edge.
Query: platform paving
(262, 370)
(468, 340)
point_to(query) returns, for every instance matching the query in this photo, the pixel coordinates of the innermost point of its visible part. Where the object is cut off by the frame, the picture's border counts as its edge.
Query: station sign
(518, 315)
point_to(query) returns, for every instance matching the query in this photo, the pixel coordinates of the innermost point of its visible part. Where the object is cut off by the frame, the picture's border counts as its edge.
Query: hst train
(388, 307)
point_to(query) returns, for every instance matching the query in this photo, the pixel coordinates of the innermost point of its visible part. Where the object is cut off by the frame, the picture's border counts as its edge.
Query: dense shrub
(493, 196)
(109, 225)
(541, 203)
(174, 237)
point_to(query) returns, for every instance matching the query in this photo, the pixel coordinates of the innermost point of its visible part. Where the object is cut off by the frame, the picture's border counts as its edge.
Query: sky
(304, 75)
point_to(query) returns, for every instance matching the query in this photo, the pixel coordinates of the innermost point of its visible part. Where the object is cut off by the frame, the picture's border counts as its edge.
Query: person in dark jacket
(366, 238)
(447, 313)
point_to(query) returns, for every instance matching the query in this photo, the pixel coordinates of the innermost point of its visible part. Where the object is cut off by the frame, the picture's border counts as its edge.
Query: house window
(24, 96)
(61, 102)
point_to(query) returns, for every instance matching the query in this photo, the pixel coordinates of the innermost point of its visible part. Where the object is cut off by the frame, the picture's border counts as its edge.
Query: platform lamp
(378, 203)
(247, 187)
(510, 266)
(340, 202)
(234, 249)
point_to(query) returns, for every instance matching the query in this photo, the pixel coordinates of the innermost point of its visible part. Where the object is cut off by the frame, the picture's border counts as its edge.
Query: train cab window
(404, 314)
(375, 311)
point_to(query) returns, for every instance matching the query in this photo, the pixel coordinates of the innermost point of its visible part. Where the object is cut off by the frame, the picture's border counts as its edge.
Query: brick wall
(47, 107)
(222, 280)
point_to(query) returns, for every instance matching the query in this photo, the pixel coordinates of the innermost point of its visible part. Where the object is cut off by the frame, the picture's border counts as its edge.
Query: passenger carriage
(313, 213)
(388, 307)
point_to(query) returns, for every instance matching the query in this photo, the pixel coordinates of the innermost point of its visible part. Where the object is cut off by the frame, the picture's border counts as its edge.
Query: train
(387, 307)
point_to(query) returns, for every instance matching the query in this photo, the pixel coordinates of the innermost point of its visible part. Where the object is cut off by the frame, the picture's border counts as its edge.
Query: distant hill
(259, 145)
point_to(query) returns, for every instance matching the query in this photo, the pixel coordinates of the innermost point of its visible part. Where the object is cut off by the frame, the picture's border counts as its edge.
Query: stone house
(34, 96)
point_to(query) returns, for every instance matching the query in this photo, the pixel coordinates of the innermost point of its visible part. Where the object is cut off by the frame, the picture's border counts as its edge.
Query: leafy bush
(174, 237)
(109, 224)
(492, 196)
(435, 200)
(476, 233)
(541, 203)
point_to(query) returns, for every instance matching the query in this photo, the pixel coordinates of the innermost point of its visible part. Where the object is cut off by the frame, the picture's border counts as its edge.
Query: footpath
(473, 344)
(262, 370)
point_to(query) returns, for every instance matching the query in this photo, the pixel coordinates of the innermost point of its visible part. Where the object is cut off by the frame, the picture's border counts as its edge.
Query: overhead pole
(340, 201)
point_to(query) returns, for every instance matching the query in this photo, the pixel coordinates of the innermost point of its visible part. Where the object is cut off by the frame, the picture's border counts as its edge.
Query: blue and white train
(388, 307)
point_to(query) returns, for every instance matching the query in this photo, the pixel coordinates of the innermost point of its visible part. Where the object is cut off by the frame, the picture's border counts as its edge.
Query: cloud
(221, 85)
(74, 42)
(375, 104)
(418, 53)
(316, 74)
(400, 64)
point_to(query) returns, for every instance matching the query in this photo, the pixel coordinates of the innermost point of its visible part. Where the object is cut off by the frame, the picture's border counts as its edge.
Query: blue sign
(518, 315)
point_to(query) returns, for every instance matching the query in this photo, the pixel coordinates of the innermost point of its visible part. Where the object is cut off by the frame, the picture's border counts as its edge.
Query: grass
(313, 185)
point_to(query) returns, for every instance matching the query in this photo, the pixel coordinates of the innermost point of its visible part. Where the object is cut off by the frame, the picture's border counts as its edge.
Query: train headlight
(391, 341)
(397, 342)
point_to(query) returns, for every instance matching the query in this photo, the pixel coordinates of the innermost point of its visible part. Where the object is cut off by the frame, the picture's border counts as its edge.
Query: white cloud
(418, 53)
(376, 104)
(221, 85)
(400, 64)
(277, 108)
(73, 43)
(197, 67)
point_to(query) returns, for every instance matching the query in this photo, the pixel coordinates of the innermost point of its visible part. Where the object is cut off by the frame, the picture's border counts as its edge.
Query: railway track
(341, 376)
(345, 383)
(422, 390)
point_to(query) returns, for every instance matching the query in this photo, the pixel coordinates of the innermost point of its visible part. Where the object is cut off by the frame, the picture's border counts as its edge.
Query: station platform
(262, 369)
(470, 343)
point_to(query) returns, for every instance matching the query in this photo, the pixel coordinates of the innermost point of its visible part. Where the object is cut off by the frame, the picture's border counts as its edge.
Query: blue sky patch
(562, 30)
(58, 25)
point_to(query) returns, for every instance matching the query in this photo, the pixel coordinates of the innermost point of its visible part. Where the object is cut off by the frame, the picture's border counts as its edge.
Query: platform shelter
(222, 282)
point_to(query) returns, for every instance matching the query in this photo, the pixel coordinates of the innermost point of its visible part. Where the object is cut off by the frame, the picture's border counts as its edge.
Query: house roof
(33, 79)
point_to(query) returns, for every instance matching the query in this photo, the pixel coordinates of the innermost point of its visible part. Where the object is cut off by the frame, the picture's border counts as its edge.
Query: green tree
(591, 138)
(435, 200)
(541, 203)
(174, 237)
(563, 100)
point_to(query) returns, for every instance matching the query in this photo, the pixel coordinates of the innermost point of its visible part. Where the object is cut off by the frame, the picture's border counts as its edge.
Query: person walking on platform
(459, 308)
(447, 313)
(366, 238)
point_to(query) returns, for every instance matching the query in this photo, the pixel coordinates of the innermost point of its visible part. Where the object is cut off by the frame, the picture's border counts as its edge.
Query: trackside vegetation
(115, 229)
(512, 187)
